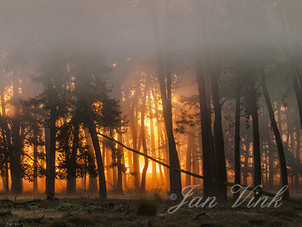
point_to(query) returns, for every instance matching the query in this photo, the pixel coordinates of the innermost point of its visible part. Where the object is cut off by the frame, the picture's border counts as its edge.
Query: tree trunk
(143, 137)
(190, 145)
(51, 170)
(271, 163)
(206, 131)
(196, 166)
(160, 143)
(237, 141)
(253, 102)
(175, 180)
(278, 139)
(35, 176)
(298, 92)
(246, 163)
(125, 178)
(266, 163)
(298, 160)
(6, 138)
(279, 119)
(108, 160)
(97, 150)
(119, 166)
(47, 151)
(114, 160)
(92, 187)
(221, 174)
(154, 172)
(133, 123)
(72, 173)
(16, 168)
(165, 90)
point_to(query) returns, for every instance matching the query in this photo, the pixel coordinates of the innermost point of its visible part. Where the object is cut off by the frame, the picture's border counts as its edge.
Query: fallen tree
(270, 194)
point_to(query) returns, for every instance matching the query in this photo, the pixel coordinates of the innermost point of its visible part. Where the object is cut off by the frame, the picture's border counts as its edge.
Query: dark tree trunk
(72, 165)
(196, 168)
(47, 151)
(7, 143)
(97, 150)
(165, 90)
(175, 180)
(133, 123)
(119, 166)
(278, 139)
(5, 178)
(51, 170)
(298, 160)
(190, 145)
(279, 119)
(92, 187)
(298, 91)
(264, 167)
(35, 175)
(265, 146)
(160, 143)
(143, 137)
(271, 163)
(208, 185)
(245, 169)
(221, 174)
(154, 173)
(253, 102)
(114, 160)
(15, 159)
(125, 179)
(108, 162)
(237, 141)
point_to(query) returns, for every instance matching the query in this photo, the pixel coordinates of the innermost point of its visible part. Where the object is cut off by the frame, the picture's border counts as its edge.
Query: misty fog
(208, 87)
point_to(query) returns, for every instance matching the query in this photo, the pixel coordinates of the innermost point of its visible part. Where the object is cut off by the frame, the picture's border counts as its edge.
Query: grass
(148, 211)
(147, 207)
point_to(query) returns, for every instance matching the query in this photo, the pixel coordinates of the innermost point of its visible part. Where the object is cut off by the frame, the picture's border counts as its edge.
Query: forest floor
(139, 212)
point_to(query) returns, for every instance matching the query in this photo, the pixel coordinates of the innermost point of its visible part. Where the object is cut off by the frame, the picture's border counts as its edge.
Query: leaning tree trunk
(97, 150)
(278, 139)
